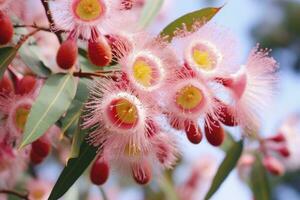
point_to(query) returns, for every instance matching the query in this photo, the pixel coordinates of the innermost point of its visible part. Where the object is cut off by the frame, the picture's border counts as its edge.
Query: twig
(32, 26)
(50, 19)
(15, 193)
(88, 75)
(25, 38)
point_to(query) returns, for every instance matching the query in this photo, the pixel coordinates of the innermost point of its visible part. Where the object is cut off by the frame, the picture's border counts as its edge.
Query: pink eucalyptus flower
(252, 88)
(87, 18)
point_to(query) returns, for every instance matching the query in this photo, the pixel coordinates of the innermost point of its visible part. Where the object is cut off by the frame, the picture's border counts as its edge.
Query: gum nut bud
(26, 85)
(67, 54)
(152, 128)
(193, 132)
(6, 29)
(273, 166)
(99, 172)
(35, 158)
(277, 138)
(284, 151)
(214, 132)
(99, 52)
(6, 85)
(142, 173)
(41, 147)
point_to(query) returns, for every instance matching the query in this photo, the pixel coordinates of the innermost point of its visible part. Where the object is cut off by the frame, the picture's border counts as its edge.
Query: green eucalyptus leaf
(228, 142)
(7, 54)
(75, 167)
(76, 142)
(149, 12)
(187, 21)
(30, 58)
(53, 101)
(259, 181)
(75, 108)
(228, 164)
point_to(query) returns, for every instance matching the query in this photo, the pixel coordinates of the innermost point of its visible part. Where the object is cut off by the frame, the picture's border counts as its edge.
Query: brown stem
(25, 38)
(32, 26)
(50, 19)
(89, 75)
(15, 193)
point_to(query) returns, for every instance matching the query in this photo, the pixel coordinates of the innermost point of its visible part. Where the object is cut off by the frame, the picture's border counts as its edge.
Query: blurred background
(274, 24)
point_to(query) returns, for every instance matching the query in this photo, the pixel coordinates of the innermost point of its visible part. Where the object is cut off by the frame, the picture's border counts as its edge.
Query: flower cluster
(196, 83)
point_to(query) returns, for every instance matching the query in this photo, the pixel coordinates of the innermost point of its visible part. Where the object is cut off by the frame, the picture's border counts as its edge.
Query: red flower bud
(6, 29)
(193, 132)
(26, 85)
(99, 172)
(273, 166)
(99, 52)
(6, 85)
(214, 132)
(284, 151)
(67, 54)
(41, 147)
(35, 158)
(142, 173)
(277, 138)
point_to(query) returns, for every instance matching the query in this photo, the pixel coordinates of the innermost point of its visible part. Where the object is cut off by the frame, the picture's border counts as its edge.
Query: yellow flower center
(21, 117)
(189, 97)
(126, 112)
(132, 150)
(143, 73)
(203, 59)
(88, 10)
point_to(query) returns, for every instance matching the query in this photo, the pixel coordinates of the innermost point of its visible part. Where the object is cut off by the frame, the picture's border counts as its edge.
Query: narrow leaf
(30, 58)
(54, 99)
(75, 108)
(187, 21)
(7, 54)
(228, 142)
(149, 12)
(73, 170)
(226, 167)
(259, 181)
(76, 142)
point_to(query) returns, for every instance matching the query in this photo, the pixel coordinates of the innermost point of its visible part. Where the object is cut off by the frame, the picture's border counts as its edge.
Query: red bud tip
(142, 173)
(99, 52)
(41, 147)
(6, 85)
(35, 158)
(273, 166)
(6, 29)
(26, 85)
(214, 132)
(67, 54)
(99, 172)
(284, 151)
(277, 138)
(193, 132)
